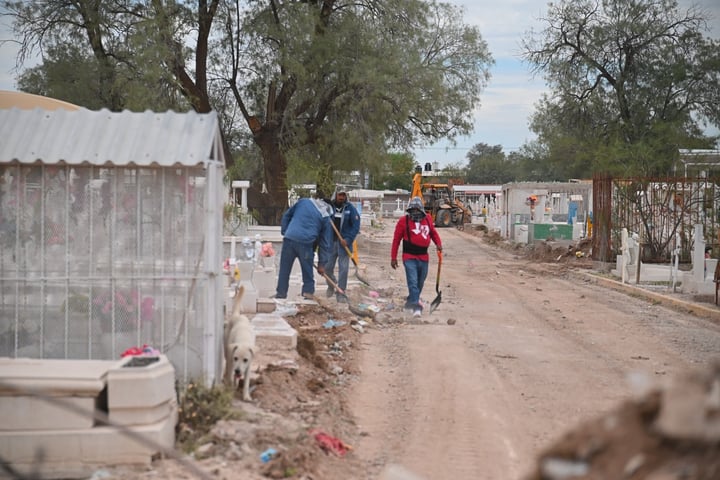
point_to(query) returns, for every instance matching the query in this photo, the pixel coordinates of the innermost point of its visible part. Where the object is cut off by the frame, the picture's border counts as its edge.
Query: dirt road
(530, 354)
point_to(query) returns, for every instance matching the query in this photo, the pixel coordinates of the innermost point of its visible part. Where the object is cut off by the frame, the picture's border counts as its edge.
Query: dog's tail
(239, 291)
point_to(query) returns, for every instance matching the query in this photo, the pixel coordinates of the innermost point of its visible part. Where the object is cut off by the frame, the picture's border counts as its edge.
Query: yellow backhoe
(440, 202)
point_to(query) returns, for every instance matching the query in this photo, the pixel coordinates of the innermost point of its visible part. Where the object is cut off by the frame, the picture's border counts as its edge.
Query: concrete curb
(708, 312)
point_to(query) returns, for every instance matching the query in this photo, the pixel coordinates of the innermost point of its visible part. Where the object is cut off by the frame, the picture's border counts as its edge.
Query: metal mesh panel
(97, 260)
(662, 211)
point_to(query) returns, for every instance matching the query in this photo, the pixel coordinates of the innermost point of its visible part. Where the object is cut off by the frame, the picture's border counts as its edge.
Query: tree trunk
(275, 201)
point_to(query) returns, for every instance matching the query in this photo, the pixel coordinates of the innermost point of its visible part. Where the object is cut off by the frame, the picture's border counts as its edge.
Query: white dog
(239, 346)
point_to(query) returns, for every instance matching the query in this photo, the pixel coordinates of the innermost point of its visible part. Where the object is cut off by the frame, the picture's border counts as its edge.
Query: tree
(397, 172)
(455, 173)
(68, 73)
(630, 80)
(489, 165)
(335, 84)
(94, 54)
(330, 84)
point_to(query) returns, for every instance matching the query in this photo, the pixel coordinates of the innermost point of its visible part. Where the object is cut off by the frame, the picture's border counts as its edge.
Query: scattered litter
(145, 350)
(286, 364)
(329, 443)
(268, 455)
(357, 327)
(372, 308)
(285, 309)
(560, 468)
(333, 323)
(373, 294)
(363, 312)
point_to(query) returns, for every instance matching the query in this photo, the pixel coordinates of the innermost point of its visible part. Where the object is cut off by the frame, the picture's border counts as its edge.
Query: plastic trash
(268, 455)
(285, 309)
(329, 444)
(333, 323)
(372, 308)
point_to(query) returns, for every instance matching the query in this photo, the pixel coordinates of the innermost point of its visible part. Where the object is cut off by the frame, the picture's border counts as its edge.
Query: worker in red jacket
(416, 230)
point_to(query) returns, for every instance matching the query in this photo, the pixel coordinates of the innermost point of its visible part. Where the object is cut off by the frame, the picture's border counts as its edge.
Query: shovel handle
(347, 250)
(437, 279)
(334, 285)
(349, 254)
(438, 299)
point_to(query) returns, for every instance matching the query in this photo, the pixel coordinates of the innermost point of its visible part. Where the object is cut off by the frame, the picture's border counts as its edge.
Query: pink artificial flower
(147, 309)
(107, 308)
(267, 250)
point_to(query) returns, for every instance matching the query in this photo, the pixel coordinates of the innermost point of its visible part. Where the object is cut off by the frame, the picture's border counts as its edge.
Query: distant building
(699, 162)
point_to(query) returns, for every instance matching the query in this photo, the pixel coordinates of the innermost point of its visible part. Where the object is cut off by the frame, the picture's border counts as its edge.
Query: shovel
(349, 253)
(438, 299)
(333, 284)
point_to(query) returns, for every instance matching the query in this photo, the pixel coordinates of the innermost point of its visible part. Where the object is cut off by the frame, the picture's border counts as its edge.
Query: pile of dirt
(297, 425)
(669, 433)
(312, 395)
(574, 253)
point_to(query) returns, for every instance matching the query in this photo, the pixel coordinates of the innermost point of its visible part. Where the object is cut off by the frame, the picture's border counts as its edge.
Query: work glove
(393, 263)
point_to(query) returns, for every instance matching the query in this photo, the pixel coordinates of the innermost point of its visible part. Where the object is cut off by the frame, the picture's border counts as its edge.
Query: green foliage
(336, 86)
(630, 83)
(200, 408)
(67, 74)
(489, 165)
(455, 171)
(325, 185)
(76, 303)
(246, 165)
(395, 172)
(110, 77)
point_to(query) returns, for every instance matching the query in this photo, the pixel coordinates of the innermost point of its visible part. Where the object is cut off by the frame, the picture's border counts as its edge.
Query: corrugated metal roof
(104, 137)
(467, 188)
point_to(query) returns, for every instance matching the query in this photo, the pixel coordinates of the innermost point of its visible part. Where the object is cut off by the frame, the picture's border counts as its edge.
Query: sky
(508, 100)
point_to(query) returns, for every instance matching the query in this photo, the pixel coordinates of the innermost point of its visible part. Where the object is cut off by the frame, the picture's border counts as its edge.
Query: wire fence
(97, 260)
(662, 212)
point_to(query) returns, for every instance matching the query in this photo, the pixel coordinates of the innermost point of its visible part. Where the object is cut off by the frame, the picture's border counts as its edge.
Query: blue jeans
(415, 273)
(304, 252)
(339, 255)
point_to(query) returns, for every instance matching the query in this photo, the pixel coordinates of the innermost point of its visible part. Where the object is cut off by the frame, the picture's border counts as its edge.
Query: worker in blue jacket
(347, 223)
(304, 225)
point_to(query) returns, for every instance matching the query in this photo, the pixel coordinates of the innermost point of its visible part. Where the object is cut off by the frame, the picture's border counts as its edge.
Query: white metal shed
(111, 236)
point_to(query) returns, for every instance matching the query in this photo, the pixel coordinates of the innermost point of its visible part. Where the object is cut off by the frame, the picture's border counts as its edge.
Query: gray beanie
(415, 202)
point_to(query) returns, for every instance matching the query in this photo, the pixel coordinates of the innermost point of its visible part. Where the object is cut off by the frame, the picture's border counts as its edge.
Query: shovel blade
(361, 278)
(435, 303)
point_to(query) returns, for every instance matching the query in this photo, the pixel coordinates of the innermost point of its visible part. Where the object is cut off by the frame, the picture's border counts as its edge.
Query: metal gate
(662, 211)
